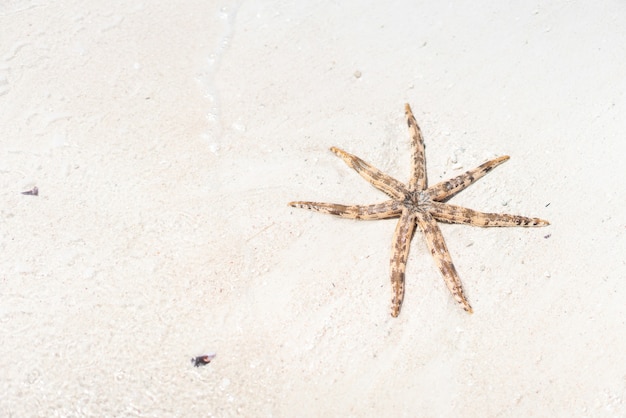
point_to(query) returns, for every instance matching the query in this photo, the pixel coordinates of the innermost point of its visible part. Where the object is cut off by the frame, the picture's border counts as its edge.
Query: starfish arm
(418, 160)
(449, 188)
(459, 215)
(386, 184)
(439, 251)
(399, 254)
(384, 210)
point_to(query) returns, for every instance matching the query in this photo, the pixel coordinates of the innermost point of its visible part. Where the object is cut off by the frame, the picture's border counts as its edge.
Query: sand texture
(166, 138)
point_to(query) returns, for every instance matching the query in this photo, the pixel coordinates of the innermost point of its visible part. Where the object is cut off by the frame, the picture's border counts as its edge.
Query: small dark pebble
(547, 236)
(202, 360)
(32, 192)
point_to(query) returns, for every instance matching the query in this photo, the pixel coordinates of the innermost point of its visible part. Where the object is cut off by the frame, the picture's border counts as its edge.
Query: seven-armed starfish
(416, 203)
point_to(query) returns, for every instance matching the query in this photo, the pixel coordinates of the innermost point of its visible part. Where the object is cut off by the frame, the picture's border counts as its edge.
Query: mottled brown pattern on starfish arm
(459, 215)
(446, 189)
(419, 206)
(439, 251)
(388, 209)
(399, 254)
(418, 158)
(386, 184)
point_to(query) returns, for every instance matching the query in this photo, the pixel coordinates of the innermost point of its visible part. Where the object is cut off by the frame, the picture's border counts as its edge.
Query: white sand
(167, 140)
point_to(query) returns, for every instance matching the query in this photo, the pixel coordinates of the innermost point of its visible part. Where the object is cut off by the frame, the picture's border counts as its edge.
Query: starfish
(417, 204)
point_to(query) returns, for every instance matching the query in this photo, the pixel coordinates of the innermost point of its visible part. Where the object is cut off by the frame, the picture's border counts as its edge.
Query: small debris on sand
(32, 192)
(202, 360)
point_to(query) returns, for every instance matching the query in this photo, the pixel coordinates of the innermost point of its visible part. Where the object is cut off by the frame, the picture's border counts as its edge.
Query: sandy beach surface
(166, 138)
